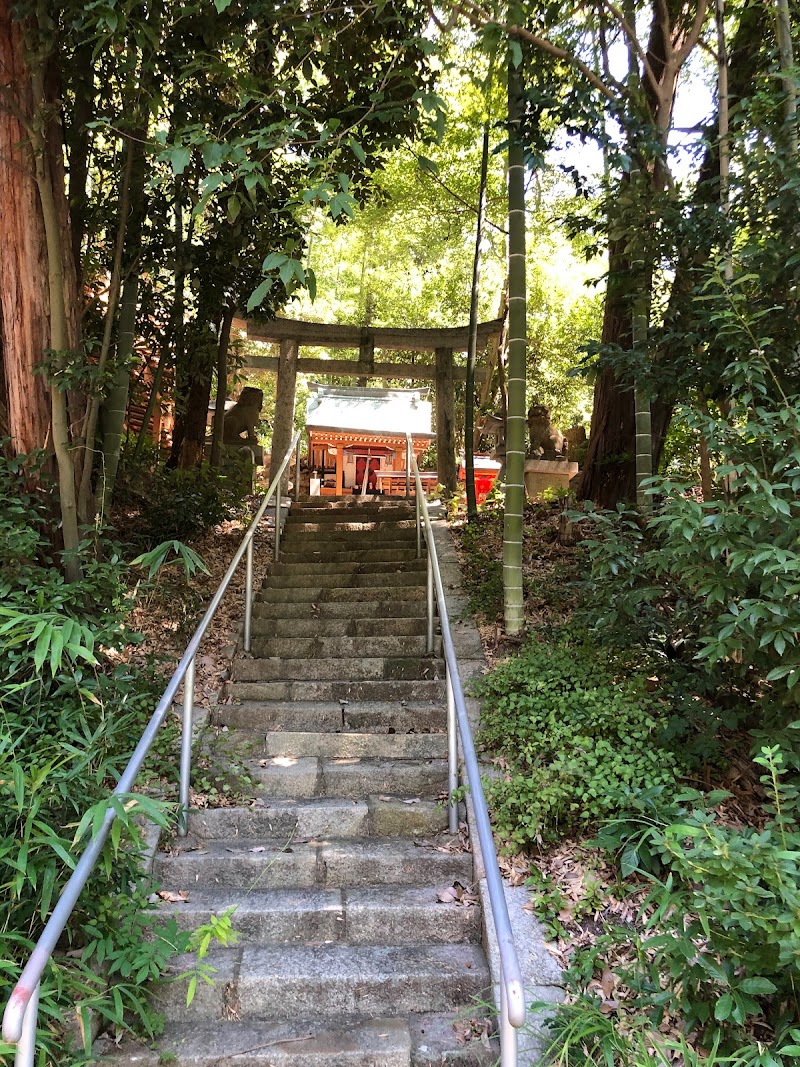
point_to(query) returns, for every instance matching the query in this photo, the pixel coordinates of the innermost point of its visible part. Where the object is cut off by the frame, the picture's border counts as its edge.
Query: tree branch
(630, 33)
(478, 16)
(694, 34)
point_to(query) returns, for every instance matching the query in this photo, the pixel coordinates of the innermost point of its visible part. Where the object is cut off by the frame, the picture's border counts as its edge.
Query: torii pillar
(446, 420)
(283, 426)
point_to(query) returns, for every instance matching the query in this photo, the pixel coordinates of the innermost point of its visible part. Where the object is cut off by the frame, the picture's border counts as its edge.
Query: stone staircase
(345, 956)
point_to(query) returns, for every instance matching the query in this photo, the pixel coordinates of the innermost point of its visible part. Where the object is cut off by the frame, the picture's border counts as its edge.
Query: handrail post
(297, 470)
(186, 749)
(508, 1033)
(430, 604)
(278, 524)
(419, 525)
(26, 1046)
(452, 757)
(408, 467)
(248, 595)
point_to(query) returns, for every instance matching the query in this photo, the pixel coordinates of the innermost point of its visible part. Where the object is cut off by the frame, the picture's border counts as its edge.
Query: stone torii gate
(291, 334)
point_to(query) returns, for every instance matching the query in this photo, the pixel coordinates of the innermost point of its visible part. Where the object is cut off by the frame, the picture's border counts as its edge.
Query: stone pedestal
(542, 474)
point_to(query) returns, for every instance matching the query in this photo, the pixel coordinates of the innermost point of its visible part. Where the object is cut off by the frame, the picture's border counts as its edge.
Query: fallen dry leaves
(461, 895)
(166, 614)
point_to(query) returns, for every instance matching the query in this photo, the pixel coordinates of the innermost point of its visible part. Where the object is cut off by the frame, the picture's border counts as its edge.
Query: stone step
(350, 744)
(369, 530)
(284, 982)
(336, 579)
(340, 647)
(261, 716)
(314, 819)
(345, 510)
(376, 606)
(387, 592)
(356, 668)
(321, 628)
(392, 915)
(318, 567)
(417, 1041)
(392, 690)
(306, 776)
(311, 1042)
(289, 553)
(326, 864)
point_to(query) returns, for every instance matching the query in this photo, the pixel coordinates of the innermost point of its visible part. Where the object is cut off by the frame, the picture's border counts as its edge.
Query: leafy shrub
(576, 732)
(175, 505)
(70, 716)
(724, 572)
(722, 922)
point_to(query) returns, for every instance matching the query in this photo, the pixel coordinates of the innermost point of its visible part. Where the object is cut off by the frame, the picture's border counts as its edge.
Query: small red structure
(486, 470)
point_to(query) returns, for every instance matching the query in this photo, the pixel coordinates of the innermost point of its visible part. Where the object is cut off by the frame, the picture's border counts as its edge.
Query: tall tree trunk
(78, 137)
(472, 351)
(195, 414)
(59, 258)
(85, 496)
(222, 384)
(514, 606)
(115, 405)
(24, 296)
(172, 352)
(783, 30)
(610, 472)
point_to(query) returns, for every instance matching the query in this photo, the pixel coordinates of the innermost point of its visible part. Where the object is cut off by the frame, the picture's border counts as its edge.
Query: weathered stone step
(419, 1041)
(341, 647)
(353, 531)
(338, 691)
(332, 554)
(307, 776)
(312, 1042)
(392, 915)
(356, 668)
(324, 579)
(284, 982)
(351, 744)
(321, 628)
(328, 863)
(375, 606)
(377, 593)
(325, 817)
(319, 567)
(344, 510)
(258, 716)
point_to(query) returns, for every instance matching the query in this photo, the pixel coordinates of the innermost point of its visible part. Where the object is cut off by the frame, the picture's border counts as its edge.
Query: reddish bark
(24, 298)
(24, 292)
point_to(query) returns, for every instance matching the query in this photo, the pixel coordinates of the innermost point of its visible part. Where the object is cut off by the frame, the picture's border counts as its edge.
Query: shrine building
(355, 433)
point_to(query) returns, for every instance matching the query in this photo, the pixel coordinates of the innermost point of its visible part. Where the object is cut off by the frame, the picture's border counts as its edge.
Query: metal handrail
(20, 1016)
(512, 994)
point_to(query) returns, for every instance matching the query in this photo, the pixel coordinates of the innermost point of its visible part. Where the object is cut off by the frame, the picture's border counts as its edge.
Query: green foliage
(70, 715)
(719, 944)
(482, 570)
(723, 572)
(155, 559)
(175, 505)
(578, 733)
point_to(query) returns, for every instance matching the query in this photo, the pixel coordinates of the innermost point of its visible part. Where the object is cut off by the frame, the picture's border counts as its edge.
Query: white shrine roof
(370, 411)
